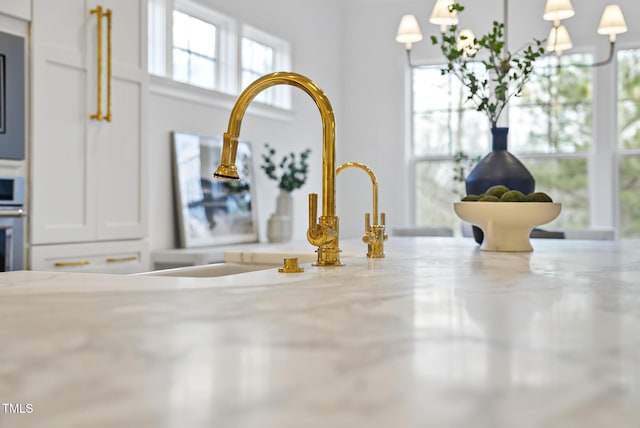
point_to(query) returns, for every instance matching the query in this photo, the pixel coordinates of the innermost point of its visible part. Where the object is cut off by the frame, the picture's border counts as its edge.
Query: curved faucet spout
(374, 182)
(328, 130)
(325, 233)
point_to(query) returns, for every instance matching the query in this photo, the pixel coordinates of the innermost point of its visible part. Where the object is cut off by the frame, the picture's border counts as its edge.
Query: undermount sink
(211, 270)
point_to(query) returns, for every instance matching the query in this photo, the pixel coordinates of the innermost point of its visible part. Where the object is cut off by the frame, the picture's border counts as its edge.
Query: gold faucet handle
(383, 221)
(313, 212)
(317, 234)
(369, 236)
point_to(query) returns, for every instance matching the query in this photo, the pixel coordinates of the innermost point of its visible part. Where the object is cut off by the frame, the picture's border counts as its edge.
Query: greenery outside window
(629, 141)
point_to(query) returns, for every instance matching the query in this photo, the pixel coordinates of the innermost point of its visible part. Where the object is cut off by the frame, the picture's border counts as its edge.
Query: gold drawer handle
(74, 263)
(121, 259)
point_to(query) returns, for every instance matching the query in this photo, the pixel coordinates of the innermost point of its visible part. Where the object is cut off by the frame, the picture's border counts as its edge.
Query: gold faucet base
(375, 255)
(328, 257)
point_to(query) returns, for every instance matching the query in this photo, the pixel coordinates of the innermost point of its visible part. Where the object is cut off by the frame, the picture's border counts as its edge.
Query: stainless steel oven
(12, 219)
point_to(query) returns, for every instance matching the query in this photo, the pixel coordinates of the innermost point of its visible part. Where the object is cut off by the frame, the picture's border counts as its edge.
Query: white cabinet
(88, 177)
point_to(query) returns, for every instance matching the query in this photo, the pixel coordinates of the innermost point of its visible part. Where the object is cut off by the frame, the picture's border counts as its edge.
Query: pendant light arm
(612, 50)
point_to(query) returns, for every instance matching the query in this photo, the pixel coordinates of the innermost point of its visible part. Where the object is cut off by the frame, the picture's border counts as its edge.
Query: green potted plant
(290, 172)
(484, 65)
(493, 76)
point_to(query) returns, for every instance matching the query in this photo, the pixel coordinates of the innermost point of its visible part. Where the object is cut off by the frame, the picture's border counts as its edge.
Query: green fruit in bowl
(497, 191)
(472, 198)
(513, 196)
(489, 198)
(502, 193)
(538, 197)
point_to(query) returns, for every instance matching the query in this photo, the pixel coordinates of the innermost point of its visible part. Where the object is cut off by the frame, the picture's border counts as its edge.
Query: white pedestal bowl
(507, 225)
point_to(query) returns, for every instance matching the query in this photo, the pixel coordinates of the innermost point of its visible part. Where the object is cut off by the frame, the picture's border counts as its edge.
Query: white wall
(20, 9)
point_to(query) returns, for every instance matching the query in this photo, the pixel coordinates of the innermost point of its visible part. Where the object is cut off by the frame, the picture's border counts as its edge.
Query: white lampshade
(440, 15)
(612, 22)
(556, 10)
(559, 40)
(408, 31)
(466, 42)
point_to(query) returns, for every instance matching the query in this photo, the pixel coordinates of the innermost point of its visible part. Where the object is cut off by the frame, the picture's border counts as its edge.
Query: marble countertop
(437, 334)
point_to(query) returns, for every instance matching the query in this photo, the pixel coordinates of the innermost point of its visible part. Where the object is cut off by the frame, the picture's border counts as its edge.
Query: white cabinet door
(121, 167)
(88, 176)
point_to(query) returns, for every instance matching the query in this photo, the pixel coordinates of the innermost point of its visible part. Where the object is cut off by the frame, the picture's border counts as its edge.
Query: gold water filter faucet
(374, 234)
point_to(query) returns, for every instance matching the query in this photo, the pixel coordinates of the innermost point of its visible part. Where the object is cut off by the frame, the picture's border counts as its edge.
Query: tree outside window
(550, 130)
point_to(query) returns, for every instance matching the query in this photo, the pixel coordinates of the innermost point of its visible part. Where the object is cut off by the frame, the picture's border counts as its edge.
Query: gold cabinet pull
(98, 11)
(73, 263)
(108, 15)
(121, 259)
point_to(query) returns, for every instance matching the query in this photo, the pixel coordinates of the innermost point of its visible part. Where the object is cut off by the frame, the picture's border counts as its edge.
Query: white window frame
(161, 30)
(226, 30)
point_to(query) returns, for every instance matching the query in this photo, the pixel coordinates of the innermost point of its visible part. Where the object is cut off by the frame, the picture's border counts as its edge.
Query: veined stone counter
(437, 334)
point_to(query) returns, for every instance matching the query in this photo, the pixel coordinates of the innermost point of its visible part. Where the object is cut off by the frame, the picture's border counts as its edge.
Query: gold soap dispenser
(374, 235)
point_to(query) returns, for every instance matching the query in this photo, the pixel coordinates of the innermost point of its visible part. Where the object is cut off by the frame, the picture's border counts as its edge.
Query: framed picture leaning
(211, 212)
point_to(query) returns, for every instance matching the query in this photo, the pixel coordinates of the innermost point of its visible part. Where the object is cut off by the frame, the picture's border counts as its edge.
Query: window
(629, 141)
(552, 133)
(262, 53)
(194, 51)
(257, 60)
(190, 43)
(550, 130)
(443, 125)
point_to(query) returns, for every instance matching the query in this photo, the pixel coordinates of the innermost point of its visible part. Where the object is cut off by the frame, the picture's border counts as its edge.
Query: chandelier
(612, 23)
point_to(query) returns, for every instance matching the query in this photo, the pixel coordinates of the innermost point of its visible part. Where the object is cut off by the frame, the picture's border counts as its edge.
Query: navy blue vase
(498, 167)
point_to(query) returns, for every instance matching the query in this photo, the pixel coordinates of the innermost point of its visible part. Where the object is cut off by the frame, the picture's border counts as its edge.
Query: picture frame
(211, 212)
